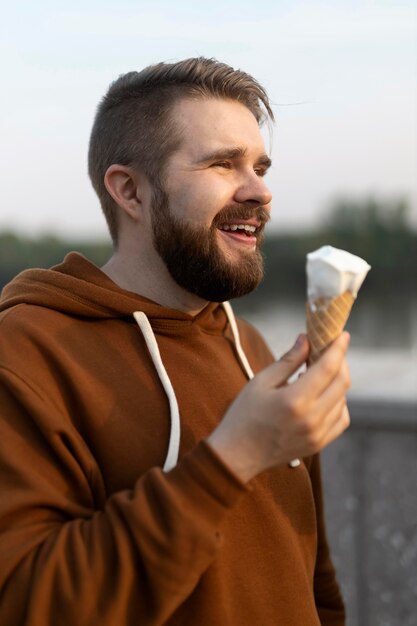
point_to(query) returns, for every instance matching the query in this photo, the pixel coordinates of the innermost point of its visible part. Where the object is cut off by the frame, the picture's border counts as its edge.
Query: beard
(194, 258)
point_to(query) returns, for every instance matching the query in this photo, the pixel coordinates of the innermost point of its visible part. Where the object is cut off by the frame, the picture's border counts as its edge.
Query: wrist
(234, 457)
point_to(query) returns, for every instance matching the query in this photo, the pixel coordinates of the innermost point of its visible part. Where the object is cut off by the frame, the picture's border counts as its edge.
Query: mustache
(244, 211)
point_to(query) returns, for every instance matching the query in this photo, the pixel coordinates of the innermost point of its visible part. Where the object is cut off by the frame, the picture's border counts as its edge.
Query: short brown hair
(133, 125)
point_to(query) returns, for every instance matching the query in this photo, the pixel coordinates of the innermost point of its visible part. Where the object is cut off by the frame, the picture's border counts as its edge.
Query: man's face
(209, 215)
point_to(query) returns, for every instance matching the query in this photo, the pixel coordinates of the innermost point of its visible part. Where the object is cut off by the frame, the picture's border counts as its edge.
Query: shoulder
(29, 335)
(25, 319)
(16, 321)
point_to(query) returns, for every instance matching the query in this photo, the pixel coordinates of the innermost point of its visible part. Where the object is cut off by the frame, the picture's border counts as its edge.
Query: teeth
(248, 228)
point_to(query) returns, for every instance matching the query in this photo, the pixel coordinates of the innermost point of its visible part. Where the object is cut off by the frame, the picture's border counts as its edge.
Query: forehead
(214, 123)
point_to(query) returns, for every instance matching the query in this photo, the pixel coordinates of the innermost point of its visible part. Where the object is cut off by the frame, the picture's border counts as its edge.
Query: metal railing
(370, 482)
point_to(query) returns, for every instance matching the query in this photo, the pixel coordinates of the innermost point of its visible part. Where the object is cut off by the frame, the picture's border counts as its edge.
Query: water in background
(383, 351)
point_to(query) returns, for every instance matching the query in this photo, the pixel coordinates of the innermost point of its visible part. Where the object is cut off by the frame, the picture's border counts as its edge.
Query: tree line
(378, 232)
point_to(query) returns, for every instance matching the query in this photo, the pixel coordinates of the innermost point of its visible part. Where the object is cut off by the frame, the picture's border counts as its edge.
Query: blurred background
(342, 79)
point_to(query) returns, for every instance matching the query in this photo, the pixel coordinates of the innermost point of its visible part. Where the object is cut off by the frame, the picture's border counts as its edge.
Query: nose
(253, 189)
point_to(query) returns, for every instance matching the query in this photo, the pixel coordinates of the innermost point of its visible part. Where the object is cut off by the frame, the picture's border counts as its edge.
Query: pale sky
(341, 75)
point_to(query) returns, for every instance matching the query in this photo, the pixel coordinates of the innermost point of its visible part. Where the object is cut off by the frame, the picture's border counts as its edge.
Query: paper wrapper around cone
(326, 319)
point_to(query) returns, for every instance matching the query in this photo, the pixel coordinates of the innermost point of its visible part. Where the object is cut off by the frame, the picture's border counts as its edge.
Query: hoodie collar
(78, 287)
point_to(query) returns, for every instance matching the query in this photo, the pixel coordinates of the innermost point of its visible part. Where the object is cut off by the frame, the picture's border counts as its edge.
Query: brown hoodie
(93, 532)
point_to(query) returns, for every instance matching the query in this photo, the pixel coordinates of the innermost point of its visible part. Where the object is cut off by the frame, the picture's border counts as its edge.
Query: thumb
(279, 372)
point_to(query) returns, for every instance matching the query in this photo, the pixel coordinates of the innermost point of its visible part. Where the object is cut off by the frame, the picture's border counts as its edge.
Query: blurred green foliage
(377, 231)
(18, 252)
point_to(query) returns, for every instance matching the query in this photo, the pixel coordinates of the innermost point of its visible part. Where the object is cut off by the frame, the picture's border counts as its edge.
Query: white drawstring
(235, 331)
(174, 437)
(152, 345)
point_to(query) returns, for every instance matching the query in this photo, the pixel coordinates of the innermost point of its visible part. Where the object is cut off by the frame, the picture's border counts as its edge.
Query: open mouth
(245, 229)
(240, 233)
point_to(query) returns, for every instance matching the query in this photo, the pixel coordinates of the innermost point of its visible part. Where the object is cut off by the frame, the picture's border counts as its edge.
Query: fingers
(335, 391)
(324, 413)
(279, 372)
(339, 425)
(324, 421)
(319, 432)
(319, 376)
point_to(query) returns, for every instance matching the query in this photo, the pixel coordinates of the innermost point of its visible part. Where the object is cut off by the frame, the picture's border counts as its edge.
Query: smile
(247, 228)
(240, 234)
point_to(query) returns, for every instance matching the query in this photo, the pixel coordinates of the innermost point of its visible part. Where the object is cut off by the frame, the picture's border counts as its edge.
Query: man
(144, 479)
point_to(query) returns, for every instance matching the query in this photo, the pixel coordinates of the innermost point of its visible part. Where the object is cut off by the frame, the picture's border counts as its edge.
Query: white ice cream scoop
(331, 272)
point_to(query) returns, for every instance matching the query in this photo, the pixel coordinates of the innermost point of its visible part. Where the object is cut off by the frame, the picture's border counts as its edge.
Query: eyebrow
(234, 153)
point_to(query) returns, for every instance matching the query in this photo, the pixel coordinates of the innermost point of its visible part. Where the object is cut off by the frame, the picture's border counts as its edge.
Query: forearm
(144, 553)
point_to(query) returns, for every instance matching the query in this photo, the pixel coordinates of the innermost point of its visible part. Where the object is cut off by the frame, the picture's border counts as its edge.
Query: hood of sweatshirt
(78, 287)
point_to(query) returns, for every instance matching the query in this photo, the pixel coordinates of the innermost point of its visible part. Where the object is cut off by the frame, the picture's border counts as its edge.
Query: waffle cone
(326, 319)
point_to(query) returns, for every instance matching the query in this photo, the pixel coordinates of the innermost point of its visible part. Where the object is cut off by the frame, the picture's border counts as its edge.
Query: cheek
(197, 205)
(199, 197)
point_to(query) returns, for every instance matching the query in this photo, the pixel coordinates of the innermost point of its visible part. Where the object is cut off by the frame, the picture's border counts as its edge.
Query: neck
(148, 277)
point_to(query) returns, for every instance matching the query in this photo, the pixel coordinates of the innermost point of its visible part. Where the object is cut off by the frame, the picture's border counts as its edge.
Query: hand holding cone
(334, 278)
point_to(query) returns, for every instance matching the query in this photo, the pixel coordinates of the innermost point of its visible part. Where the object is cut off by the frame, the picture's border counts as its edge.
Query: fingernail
(299, 341)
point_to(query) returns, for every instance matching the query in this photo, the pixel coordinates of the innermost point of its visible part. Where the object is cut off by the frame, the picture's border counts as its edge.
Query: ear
(121, 182)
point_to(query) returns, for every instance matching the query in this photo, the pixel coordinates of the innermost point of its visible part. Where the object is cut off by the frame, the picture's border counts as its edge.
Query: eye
(224, 164)
(260, 171)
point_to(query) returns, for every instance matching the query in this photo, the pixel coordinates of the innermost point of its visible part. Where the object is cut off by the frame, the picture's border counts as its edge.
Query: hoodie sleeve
(329, 601)
(66, 561)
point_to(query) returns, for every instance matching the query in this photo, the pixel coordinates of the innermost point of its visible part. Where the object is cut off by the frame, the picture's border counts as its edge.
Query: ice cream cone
(326, 319)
